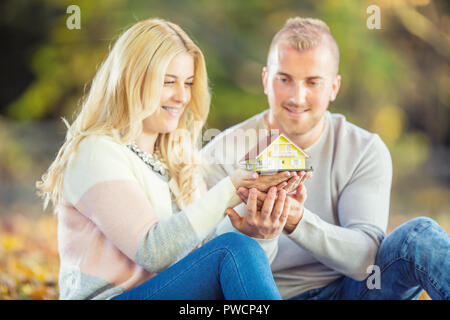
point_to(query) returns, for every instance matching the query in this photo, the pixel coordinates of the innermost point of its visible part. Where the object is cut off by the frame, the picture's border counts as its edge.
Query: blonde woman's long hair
(127, 89)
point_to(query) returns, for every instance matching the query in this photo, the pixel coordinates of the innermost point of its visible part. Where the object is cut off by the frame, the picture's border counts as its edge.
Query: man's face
(299, 86)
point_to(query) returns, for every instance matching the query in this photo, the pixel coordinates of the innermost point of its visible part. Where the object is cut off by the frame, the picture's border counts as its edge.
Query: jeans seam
(187, 269)
(237, 269)
(433, 282)
(381, 272)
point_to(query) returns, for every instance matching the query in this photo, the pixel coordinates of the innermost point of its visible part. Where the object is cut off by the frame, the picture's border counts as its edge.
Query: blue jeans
(230, 266)
(415, 256)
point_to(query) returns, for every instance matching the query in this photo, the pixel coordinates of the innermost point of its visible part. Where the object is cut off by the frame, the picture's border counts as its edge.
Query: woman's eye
(168, 82)
(190, 84)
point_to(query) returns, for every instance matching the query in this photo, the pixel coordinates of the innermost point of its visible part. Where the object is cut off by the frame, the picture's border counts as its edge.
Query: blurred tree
(395, 80)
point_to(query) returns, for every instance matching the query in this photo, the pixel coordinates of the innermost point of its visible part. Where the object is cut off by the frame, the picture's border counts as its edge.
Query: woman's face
(175, 95)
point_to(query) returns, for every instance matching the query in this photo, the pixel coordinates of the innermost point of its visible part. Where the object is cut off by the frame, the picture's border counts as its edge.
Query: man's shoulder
(342, 125)
(233, 143)
(348, 130)
(349, 135)
(256, 123)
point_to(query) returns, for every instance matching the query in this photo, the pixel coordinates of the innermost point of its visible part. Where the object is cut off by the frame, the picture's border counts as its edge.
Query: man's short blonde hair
(304, 34)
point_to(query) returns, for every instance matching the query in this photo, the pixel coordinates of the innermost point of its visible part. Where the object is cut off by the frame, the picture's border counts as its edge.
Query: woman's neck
(146, 141)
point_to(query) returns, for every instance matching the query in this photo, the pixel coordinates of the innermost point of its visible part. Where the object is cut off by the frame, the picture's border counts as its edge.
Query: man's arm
(363, 210)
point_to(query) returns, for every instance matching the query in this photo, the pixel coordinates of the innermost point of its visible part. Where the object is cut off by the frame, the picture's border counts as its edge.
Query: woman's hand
(296, 179)
(265, 223)
(243, 178)
(290, 185)
(249, 179)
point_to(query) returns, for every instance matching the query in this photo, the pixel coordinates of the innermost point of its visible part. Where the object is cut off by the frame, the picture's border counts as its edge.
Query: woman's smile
(173, 111)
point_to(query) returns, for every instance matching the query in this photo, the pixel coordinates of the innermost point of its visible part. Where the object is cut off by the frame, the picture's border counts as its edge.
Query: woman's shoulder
(101, 148)
(100, 153)
(99, 143)
(98, 159)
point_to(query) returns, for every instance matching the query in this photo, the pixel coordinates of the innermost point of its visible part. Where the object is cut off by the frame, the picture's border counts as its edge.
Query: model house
(276, 153)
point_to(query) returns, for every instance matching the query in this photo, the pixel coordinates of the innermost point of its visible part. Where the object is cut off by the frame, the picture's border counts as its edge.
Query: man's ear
(335, 87)
(264, 76)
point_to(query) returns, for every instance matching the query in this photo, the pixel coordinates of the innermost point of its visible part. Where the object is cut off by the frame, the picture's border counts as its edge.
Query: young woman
(131, 204)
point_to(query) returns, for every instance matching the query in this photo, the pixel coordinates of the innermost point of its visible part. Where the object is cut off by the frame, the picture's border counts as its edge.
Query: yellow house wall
(287, 160)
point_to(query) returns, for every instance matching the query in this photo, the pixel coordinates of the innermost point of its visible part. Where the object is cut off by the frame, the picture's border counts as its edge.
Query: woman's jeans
(415, 256)
(230, 266)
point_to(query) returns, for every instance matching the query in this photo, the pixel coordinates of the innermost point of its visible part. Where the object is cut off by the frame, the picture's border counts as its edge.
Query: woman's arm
(102, 186)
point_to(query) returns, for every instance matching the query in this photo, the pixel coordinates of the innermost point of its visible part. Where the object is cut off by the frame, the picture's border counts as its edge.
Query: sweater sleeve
(216, 171)
(363, 210)
(101, 184)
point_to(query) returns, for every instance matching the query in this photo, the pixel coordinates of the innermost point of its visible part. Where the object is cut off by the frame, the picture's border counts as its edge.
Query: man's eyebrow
(315, 78)
(284, 74)
(174, 76)
(281, 73)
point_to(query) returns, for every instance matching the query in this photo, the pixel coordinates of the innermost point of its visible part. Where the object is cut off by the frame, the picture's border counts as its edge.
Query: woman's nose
(181, 94)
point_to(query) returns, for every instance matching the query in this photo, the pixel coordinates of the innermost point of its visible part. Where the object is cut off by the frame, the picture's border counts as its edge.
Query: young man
(334, 240)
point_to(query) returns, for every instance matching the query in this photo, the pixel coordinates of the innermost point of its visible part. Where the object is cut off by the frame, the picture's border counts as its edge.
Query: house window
(288, 147)
(295, 162)
(258, 164)
(275, 147)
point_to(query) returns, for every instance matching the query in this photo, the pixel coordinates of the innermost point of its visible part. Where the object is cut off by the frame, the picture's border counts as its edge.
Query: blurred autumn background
(395, 83)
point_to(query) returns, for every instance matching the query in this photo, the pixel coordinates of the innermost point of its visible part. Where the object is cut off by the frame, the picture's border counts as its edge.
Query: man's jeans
(230, 266)
(415, 256)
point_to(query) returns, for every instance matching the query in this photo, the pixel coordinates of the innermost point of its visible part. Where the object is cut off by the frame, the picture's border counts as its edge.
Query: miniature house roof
(265, 143)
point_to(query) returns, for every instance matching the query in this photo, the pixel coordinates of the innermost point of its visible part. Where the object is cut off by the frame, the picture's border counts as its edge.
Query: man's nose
(299, 96)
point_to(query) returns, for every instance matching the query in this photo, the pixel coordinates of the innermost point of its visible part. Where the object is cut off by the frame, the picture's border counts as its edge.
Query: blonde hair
(304, 34)
(118, 101)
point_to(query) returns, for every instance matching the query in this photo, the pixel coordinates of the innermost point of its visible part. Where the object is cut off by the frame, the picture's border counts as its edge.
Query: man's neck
(304, 141)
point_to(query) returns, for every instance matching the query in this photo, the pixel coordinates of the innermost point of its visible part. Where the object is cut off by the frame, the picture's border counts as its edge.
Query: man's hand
(297, 201)
(265, 223)
(296, 209)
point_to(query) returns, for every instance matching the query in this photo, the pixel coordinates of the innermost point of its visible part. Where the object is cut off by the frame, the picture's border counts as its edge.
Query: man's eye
(283, 79)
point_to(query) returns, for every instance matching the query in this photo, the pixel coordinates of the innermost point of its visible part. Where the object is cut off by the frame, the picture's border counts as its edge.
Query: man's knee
(405, 236)
(416, 235)
(416, 226)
